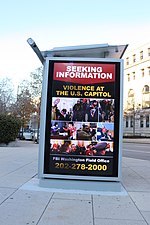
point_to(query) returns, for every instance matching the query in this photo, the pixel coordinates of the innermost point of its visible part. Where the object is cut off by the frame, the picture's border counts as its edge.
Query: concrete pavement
(20, 205)
(137, 140)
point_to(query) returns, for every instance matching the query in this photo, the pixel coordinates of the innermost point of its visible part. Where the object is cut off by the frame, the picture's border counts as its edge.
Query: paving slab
(67, 212)
(29, 170)
(132, 181)
(131, 162)
(13, 181)
(115, 207)
(142, 171)
(73, 196)
(10, 166)
(23, 208)
(141, 200)
(5, 193)
(146, 215)
(119, 222)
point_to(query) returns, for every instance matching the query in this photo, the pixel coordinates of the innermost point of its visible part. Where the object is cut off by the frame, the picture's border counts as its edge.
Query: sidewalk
(20, 206)
(137, 140)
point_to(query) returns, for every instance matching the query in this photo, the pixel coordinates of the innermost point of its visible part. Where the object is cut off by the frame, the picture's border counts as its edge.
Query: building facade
(136, 120)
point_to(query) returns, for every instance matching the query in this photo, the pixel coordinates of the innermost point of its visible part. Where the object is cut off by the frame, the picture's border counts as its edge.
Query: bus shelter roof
(88, 51)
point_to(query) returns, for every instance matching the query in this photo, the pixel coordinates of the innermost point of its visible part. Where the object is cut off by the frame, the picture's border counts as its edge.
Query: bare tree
(6, 94)
(36, 90)
(36, 82)
(24, 106)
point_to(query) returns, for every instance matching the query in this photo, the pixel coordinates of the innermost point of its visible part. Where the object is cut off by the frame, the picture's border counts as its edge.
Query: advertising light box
(80, 134)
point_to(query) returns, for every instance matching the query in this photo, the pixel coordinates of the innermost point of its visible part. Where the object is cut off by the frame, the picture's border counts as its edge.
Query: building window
(128, 77)
(142, 70)
(134, 58)
(131, 93)
(147, 120)
(127, 61)
(131, 121)
(131, 99)
(148, 51)
(141, 121)
(133, 74)
(127, 121)
(146, 89)
(146, 97)
(149, 71)
(141, 55)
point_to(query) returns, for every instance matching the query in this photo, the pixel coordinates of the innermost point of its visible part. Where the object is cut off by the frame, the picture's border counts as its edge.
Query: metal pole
(134, 122)
(33, 45)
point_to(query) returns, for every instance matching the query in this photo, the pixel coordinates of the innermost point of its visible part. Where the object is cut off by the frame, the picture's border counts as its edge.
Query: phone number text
(82, 166)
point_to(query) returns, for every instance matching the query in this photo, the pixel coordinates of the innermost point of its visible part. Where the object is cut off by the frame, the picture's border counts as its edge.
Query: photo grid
(82, 126)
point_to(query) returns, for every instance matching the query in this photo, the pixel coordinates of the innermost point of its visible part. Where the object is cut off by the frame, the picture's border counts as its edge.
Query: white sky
(66, 23)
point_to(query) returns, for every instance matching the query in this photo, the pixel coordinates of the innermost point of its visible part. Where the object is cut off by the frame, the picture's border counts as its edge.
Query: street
(137, 151)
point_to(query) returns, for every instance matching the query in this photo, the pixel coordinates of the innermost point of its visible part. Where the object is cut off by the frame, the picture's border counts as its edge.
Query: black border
(116, 117)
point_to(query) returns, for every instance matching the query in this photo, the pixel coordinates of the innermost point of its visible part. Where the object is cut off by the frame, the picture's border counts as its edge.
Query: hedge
(9, 128)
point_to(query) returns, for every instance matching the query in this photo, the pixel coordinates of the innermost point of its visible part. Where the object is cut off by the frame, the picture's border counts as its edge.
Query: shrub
(9, 128)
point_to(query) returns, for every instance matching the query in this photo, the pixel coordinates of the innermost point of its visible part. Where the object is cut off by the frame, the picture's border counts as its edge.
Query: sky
(58, 23)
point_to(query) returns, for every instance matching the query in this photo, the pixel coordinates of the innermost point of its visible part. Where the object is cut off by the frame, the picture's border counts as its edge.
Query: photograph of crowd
(105, 131)
(83, 110)
(87, 148)
(73, 130)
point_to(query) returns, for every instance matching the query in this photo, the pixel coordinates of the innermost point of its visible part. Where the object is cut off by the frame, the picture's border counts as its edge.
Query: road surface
(137, 151)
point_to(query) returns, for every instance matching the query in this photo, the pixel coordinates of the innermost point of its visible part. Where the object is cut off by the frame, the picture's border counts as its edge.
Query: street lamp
(135, 111)
(33, 45)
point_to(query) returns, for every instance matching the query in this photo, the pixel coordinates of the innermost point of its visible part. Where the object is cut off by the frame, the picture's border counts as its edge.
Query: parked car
(26, 134)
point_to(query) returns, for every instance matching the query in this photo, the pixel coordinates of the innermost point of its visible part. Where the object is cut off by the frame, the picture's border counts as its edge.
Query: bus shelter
(81, 117)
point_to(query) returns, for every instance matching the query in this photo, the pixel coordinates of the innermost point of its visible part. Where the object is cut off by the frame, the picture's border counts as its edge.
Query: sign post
(81, 119)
